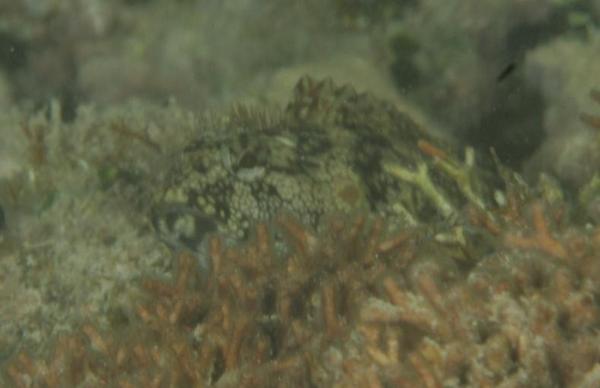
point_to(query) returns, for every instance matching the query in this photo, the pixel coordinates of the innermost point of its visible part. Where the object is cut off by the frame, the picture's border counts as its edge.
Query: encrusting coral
(357, 304)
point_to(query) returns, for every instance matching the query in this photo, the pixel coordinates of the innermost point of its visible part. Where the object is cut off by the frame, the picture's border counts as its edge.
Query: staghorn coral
(359, 304)
(591, 120)
(525, 315)
(260, 314)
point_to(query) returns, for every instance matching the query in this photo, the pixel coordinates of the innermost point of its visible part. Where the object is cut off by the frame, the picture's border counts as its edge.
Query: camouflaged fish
(332, 150)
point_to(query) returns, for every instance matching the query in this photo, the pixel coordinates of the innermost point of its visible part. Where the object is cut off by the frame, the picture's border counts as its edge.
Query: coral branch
(329, 311)
(421, 179)
(541, 240)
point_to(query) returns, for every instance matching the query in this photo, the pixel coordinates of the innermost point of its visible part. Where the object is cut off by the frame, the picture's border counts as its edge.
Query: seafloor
(314, 194)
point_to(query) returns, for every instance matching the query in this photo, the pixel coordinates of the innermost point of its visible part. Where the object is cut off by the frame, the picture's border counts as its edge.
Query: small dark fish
(506, 72)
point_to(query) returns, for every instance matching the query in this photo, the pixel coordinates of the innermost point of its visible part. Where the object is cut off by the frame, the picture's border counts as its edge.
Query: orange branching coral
(261, 317)
(36, 136)
(353, 305)
(526, 317)
(541, 238)
(530, 335)
(591, 120)
(430, 150)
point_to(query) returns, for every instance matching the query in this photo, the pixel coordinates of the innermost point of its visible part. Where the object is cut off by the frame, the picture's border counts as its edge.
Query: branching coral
(526, 319)
(258, 315)
(591, 120)
(356, 304)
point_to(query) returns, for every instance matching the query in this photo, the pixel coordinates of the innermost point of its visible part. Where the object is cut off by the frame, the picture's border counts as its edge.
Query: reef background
(97, 98)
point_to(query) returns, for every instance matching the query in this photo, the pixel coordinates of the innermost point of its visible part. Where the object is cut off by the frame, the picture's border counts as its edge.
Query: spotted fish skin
(324, 154)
